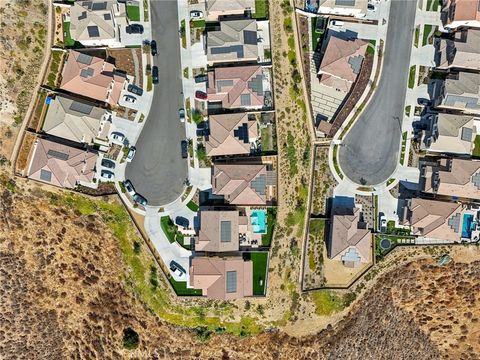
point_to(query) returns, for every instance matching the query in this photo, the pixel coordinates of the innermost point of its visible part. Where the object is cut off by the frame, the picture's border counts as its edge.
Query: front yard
(133, 12)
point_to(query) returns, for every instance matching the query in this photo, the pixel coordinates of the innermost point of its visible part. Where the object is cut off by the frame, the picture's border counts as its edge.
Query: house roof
(218, 231)
(61, 165)
(222, 278)
(73, 120)
(95, 19)
(230, 134)
(237, 87)
(230, 6)
(456, 177)
(240, 184)
(92, 77)
(235, 41)
(461, 10)
(341, 61)
(435, 219)
(463, 51)
(349, 236)
(456, 134)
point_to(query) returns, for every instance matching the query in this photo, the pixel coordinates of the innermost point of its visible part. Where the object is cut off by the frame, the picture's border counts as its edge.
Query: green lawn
(260, 260)
(327, 302)
(67, 38)
(316, 36)
(133, 12)
(199, 24)
(261, 9)
(335, 162)
(417, 36)
(411, 77)
(476, 149)
(432, 5)
(271, 220)
(192, 206)
(426, 32)
(168, 228)
(407, 110)
(404, 147)
(181, 288)
(183, 33)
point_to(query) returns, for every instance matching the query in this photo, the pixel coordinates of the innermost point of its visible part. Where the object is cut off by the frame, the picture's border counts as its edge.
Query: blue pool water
(259, 221)
(467, 225)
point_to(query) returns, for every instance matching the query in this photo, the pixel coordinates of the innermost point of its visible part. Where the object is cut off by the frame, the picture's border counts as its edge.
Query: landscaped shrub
(130, 339)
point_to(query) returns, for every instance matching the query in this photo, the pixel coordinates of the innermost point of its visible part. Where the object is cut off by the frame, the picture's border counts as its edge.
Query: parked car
(184, 145)
(202, 128)
(424, 102)
(177, 269)
(117, 138)
(337, 23)
(134, 29)
(130, 99)
(382, 223)
(131, 153)
(106, 174)
(109, 164)
(201, 95)
(371, 8)
(201, 78)
(181, 115)
(139, 199)
(155, 75)
(181, 221)
(129, 187)
(196, 14)
(135, 89)
(153, 47)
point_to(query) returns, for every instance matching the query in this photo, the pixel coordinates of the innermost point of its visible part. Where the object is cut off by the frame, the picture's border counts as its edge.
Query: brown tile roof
(91, 77)
(218, 231)
(236, 87)
(61, 165)
(461, 51)
(226, 132)
(462, 10)
(211, 274)
(240, 184)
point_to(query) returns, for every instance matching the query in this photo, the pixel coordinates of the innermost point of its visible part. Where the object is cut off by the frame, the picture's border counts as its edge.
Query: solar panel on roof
(87, 4)
(228, 49)
(242, 133)
(245, 100)
(476, 180)
(57, 155)
(259, 184)
(83, 15)
(454, 222)
(345, 2)
(222, 83)
(99, 6)
(231, 281)
(467, 134)
(107, 17)
(81, 107)
(45, 175)
(93, 31)
(250, 37)
(256, 84)
(225, 231)
(84, 59)
(356, 63)
(86, 72)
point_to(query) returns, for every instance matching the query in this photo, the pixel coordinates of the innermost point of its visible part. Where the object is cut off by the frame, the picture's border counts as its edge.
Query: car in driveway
(201, 95)
(131, 153)
(177, 269)
(109, 164)
(196, 14)
(139, 199)
(202, 128)
(108, 175)
(201, 78)
(134, 29)
(130, 99)
(184, 146)
(371, 8)
(424, 102)
(181, 221)
(117, 138)
(134, 89)
(155, 75)
(181, 115)
(129, 187)
(153, 47)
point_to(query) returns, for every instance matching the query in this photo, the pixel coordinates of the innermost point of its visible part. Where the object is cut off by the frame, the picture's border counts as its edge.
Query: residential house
(341, 61)
(243, 184)
(451, 134)
(231, 134)
(434, 219)
(350, 239)
(235, 41)
(453, 178)
(219, 8)
(92, 77)
(97, 23)
(76, 120)
(219, 231)
(462, 51)
(355, 8)
(460, 13)
(460, 91)
(61, 165)
(222, 278)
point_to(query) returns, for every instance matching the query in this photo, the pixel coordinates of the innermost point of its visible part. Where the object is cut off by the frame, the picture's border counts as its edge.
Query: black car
(155, 74)
(201, 78)
(202, 129)
(135, 89)
(176, 267)
(153, 47)
(184, 144)
(108, 164)
(134, 29)
(181, 221)
(139, 199)
(424, 102)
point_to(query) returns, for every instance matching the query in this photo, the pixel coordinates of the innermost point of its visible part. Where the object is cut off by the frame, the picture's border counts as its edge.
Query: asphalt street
(370, 151)
(158, 170)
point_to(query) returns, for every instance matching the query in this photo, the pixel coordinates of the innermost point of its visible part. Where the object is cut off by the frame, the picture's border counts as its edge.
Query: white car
(383, 224)
(336, 23)
(117, 138)
(196, 14)
(130, 99)
(129, 187)
(131, 153)
(108, 175)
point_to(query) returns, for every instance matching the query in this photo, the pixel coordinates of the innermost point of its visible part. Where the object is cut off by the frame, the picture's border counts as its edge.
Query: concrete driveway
(370, 151)
(158, 170)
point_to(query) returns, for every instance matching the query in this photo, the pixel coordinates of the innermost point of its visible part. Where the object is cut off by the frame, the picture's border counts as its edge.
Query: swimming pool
(259, 221)
(467, 226)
